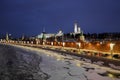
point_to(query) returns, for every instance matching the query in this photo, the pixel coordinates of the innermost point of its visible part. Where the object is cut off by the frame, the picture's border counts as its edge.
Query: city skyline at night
(59, 39)
(29, 17)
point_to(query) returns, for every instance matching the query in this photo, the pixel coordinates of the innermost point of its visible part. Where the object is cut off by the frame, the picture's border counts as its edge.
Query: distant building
(76, 29)
(79, 30)
(82, 37)
(48, 35)
(45, 34)
(60, 33)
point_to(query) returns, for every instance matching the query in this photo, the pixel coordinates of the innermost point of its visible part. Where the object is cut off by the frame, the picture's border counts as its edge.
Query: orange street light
(111, 48)
(79, 45)
(63, 44)
(52, 43)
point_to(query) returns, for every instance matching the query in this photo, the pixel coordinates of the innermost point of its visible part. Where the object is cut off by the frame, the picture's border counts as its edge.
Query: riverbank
(112, 63)
(61, 66)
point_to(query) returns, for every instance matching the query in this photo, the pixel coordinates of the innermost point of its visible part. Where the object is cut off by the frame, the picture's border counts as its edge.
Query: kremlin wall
(59, 38)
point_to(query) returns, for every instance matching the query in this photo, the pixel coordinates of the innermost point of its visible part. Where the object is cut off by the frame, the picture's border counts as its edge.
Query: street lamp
(111, 48)
(31, 42)
(63, 44)
(79, 45)
(43, 43)
(27, 42)
(58, 43)
(52, 43)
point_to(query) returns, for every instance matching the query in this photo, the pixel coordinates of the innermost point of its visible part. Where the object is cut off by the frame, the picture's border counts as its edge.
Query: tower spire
(23, 36)
(43, 29)
(79, 30)
(75, 28)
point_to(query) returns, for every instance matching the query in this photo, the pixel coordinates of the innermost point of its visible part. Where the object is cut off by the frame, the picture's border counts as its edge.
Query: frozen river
(25, 63)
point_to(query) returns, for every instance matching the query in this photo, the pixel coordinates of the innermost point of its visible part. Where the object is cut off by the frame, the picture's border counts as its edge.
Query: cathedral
(48, 35)
(77, 30)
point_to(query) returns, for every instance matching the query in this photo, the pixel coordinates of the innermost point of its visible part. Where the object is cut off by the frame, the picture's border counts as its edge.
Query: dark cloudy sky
(30, 16)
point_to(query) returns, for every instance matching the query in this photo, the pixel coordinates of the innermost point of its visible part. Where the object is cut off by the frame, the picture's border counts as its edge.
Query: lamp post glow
(27, 42)
(52, 43)
(58, 43)
(79, 45)
(43, 43)
(63, 44)
(111, 48)
(31, 42)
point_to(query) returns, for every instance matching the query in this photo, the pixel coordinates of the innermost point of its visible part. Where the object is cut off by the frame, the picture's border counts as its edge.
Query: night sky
(30, 16)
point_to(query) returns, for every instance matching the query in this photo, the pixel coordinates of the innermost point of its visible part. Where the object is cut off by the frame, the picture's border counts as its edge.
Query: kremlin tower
(76, 29)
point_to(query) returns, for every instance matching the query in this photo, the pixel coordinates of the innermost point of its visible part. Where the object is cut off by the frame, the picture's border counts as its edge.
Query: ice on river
(66, 67)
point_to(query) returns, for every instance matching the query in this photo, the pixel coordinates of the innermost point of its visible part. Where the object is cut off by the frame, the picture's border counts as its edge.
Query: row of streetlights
(79, 45)
(63, 45)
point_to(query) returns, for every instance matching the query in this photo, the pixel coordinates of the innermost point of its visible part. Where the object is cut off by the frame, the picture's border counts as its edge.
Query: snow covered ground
(66, 67)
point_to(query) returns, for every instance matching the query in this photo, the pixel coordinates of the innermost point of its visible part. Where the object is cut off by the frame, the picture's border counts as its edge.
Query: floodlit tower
(7, 37)
(43, 29)
(75, 28)
(79, 30)
(23, 37)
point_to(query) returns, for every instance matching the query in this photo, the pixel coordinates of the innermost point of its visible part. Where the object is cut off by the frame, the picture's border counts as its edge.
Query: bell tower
(75, 28)
(7, 37)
